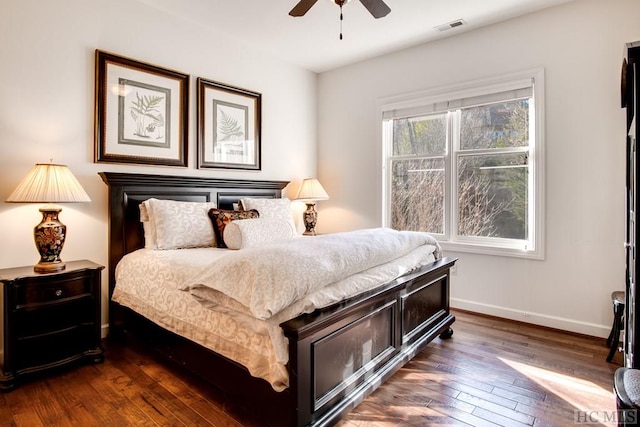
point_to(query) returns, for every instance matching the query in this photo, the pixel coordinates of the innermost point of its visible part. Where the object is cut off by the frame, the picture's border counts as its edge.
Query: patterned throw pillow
(220, 218)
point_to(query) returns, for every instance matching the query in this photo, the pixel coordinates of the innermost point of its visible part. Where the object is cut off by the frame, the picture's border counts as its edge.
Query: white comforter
(266, 280)
(149, 282)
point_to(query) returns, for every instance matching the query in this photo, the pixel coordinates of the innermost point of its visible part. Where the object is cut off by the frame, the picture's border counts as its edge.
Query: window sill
(491, 250)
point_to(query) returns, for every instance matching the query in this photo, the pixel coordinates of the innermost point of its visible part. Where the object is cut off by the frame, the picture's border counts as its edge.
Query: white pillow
(246, 233)
(279, 209)
(149, 229)
(180, 224)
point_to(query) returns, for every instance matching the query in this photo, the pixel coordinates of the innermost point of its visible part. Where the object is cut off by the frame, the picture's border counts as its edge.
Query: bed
(399, 317)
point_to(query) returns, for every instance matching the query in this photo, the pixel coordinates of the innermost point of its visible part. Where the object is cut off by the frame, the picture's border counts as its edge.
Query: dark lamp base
(310, 219)
(49, 236)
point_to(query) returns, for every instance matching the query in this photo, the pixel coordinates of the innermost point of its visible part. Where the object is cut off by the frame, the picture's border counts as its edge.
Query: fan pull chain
(341, 21)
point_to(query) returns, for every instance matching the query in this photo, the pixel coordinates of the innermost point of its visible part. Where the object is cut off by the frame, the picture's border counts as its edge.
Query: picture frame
(141, 112)
(229, 126)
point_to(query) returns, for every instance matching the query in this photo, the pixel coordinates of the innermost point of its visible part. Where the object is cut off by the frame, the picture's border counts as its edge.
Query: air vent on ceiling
(450, 25)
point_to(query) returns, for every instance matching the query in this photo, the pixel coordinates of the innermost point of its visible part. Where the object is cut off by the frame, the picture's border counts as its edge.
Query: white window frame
(423, 101)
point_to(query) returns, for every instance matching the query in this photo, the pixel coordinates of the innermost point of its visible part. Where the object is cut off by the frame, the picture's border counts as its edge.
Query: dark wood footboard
(341, 354)
(337, 355)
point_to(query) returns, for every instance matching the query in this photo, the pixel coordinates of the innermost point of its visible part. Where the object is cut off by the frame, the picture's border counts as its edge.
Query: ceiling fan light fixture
(377, 8)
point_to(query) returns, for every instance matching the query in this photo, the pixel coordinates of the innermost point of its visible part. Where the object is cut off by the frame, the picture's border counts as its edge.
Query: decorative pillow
(147, 226)
(256, 232)
(271, 208)
(221, 218)
(180, 224)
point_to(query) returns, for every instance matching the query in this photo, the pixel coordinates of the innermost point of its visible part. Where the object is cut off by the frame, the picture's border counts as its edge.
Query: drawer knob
(58, 292)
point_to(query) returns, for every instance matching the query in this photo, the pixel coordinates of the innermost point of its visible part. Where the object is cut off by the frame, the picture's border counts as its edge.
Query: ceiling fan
(377, 8)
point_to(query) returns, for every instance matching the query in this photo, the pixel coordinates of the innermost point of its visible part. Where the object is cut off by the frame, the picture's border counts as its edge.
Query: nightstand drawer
(59, 346)
(38, 293)
(30, 321)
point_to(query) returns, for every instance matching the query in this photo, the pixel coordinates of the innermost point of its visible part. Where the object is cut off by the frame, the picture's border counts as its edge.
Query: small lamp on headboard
(311, 191)
(49, 183)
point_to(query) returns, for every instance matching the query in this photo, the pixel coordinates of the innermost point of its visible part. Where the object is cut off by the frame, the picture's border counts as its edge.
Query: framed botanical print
(229, 121)
(141, 112)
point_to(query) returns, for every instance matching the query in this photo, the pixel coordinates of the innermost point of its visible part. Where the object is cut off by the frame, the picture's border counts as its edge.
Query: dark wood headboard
(128, 190)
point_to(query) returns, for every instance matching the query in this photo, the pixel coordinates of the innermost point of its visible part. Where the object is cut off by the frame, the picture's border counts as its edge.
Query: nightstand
(48, 320)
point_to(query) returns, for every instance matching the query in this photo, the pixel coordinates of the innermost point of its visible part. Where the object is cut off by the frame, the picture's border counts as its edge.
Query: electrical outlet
(454, 270)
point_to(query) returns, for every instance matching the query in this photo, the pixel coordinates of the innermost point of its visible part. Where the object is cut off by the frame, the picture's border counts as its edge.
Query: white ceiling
(312, 41)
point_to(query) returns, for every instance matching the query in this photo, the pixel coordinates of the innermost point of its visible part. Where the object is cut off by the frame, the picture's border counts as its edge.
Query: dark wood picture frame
(141, 112)
(229, 126)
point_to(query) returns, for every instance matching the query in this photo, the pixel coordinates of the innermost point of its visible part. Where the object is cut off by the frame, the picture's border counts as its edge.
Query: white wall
(47, 106)
(580, 45)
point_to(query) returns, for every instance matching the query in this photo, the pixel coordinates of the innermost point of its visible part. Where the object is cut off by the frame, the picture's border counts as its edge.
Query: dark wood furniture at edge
(631, 102)
(49, 320)
(398, 319)
(627, 377)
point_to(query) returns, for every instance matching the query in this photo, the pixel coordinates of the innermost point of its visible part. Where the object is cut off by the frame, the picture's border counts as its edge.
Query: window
(465, 164)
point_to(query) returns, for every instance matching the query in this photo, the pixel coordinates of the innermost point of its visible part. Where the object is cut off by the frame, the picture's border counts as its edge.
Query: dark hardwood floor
(491, 372)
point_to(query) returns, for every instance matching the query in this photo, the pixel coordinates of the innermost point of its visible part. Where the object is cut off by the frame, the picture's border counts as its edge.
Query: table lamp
(49, 183)
(311, 191)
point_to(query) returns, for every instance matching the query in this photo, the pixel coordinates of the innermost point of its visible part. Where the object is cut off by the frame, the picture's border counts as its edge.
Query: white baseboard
(561, 323)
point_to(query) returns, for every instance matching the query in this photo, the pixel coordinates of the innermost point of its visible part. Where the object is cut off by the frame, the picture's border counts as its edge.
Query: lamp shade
(312, 190)
(49, 183)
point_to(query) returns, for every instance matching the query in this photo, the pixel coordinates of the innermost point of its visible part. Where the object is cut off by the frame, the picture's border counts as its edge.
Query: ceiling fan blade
(377, 8)
(302, 7)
